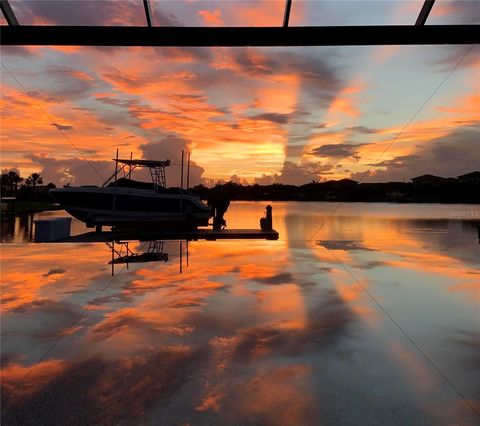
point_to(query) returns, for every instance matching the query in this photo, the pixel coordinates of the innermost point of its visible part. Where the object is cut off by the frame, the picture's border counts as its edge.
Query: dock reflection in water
(269, 332)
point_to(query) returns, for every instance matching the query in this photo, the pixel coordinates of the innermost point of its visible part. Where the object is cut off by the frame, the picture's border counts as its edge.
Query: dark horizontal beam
(239, 36)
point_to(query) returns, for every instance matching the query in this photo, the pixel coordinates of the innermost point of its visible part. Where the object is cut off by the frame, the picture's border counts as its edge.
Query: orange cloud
(381, 54)
(345, 103)
(43, 373)
(211, 18)
(210, 402)
(442, 9)
(265, 13)
(469, 106)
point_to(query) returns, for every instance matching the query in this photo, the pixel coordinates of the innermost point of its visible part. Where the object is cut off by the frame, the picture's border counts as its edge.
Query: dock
(185, 235)
(58, 231)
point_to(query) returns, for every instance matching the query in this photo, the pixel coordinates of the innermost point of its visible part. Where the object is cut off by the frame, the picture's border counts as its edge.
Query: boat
(122, 202)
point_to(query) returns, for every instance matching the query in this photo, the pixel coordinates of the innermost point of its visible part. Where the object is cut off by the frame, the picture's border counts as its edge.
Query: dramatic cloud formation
(74, 171)
(61, 126)
(362, 129)
(341, 150)
(213, 18)
(86, 12)
(448, 156)
(296, 174)
(273, 117)
(265, 115)
(171, 148)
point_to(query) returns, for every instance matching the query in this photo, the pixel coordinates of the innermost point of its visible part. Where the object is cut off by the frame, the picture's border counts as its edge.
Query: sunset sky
(264, 115)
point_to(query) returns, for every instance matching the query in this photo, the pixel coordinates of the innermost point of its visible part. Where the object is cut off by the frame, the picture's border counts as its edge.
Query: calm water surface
(304, 330)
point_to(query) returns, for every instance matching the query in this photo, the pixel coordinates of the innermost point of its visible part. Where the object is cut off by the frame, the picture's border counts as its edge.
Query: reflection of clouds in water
(370, 264)
(281, 278)
(70, 268)
(120, 321)
(54, 271)
(188, 302)
(45, 307)
(274, 395)
(343, 245)
(31, 327)
(455, 238)
(242, 336)
(140, 324)
(469, 341)
(281, 339)
(118, 391)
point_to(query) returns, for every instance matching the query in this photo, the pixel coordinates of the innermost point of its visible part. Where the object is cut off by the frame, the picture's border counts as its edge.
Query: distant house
(473, 177)
(428, 180)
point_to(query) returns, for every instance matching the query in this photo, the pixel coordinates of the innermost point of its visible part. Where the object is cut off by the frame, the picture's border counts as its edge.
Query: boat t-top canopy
(143, 163)
(156, 167)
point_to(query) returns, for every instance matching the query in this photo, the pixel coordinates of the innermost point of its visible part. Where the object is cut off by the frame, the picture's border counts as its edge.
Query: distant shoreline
(267, 200)
(346, 190)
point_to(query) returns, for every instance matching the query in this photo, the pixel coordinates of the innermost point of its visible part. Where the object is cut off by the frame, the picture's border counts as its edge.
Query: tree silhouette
(33, 180)
(9, 183)
(15, 179)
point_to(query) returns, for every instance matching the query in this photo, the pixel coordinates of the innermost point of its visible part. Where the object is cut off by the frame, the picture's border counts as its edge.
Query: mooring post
(269, 217)
(266, 223)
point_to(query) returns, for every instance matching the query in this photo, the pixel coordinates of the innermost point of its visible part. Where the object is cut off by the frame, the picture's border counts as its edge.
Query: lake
(361, 313)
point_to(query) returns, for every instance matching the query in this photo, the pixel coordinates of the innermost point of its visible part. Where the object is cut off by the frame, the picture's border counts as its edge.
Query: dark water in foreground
(323, 326)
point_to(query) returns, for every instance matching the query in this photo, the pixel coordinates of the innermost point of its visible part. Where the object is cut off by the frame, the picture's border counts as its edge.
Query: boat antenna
(181, 173)
(130, 166)
(115, 183)
(181, 184)
(188, 172)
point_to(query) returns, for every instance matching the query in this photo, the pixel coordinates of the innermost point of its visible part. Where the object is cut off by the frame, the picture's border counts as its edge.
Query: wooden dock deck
(151, 235)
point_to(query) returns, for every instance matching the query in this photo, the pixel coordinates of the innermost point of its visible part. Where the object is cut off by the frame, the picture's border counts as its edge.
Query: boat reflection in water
(154, 252)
